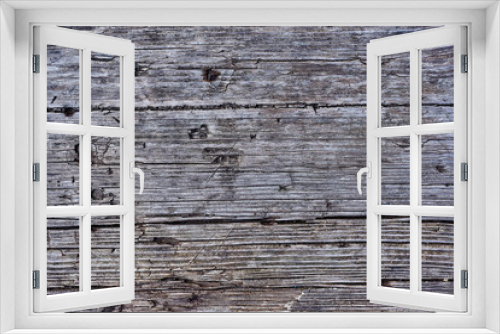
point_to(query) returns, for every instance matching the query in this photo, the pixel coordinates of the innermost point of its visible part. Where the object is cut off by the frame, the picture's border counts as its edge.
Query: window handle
(368, 171)
(134, 170)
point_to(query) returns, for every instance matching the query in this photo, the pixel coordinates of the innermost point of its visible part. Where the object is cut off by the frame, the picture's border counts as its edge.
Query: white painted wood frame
(414, 43)
(482, 313)
(86, 43)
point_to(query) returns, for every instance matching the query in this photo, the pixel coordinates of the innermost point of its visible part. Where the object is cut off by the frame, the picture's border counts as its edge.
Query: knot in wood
(210, 74)
(199, 133)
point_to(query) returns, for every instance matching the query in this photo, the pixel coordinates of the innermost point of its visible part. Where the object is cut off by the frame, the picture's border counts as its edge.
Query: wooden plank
(250, 201)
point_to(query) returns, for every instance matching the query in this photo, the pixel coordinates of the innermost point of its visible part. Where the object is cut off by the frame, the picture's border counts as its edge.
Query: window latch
(134, 170)
(368, 171)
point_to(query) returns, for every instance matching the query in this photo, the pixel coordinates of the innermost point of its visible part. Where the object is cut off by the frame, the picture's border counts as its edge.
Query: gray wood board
(250, 138)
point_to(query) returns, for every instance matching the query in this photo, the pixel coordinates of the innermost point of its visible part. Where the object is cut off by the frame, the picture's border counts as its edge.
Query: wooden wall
(250, 138)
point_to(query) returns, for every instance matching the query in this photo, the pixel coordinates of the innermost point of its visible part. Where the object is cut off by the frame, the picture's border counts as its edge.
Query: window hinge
(36, 279)
(465, 279)
(36, 172)
(464, 171)
(36, 63)
(465, 64)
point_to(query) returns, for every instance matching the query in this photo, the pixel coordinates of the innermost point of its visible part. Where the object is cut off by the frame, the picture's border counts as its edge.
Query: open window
(84, 202)
(68, 196)
(406, 205)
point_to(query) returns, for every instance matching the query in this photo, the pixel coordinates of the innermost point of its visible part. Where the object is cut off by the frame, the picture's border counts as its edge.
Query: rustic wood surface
(250, 138)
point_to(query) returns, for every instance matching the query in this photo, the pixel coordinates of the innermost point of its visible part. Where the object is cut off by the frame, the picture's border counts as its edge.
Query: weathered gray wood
(250, 138)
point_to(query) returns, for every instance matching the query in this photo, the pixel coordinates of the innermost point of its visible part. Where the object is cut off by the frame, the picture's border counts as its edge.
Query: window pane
(105, 83)
(395, 89)
(395, 252)
(105, 171)
(437, 85)
(63, 255)
(395, 170)
(63, 169)
(437, 169)
(437, 254)
(63, 84)
(105, 240)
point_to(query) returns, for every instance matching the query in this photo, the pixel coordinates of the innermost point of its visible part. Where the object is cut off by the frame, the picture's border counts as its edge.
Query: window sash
(86, 297)
(412, 43)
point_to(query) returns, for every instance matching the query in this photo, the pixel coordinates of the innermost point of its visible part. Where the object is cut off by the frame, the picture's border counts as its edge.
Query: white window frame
(483, 125)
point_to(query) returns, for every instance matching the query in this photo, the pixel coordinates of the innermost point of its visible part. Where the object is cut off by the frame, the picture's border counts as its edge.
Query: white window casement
(473, 28)
(415, 129)
(84, 212)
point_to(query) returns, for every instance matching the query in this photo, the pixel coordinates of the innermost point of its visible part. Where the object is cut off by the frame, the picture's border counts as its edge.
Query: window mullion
(85, 170)
(414, 170)
(85, 158)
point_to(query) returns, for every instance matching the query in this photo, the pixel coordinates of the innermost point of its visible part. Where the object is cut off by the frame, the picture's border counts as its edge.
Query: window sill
(251, 331)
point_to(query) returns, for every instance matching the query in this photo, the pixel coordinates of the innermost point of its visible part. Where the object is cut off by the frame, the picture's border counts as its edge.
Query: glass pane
(63, 84)
(105, 83)
(395, 252)
(105, 171)
(63, 255)
(437, 254)
(437, 85)
(105, 263)
(395, 89)
(63, 169)
(395, 170)
(437, 169)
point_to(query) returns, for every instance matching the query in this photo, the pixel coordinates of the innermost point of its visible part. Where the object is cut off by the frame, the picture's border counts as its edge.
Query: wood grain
(250, 138)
